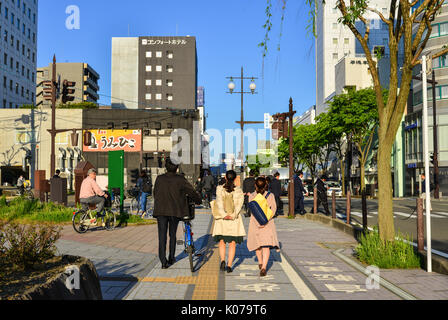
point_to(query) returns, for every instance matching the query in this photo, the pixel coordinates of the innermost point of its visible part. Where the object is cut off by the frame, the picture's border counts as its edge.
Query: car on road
(334, 186)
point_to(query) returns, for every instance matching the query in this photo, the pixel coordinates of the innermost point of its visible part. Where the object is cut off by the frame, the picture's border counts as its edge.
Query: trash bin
(80, 174)
(58, 190)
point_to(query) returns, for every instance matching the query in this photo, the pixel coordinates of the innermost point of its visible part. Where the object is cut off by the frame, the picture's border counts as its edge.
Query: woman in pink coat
(262, 239)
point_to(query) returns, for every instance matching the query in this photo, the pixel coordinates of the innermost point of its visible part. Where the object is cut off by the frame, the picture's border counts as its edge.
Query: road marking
(359, 214)
(347, 288)
(295, 279)
(259, 287)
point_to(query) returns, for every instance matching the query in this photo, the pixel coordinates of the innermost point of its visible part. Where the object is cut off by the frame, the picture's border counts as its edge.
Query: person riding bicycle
(21, 184)
(91, 192)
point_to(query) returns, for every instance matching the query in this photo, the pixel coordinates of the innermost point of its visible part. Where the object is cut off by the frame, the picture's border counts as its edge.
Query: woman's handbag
(259, 208)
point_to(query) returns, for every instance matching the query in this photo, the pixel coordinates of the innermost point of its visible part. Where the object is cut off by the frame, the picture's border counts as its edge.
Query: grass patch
(125, 218)
(387, 254)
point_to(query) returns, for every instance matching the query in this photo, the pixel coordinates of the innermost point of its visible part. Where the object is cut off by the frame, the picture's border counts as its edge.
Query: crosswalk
(437, 215)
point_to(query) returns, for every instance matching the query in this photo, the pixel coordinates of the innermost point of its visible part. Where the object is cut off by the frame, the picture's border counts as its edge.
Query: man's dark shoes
(171, 261)
(165, 265)
(223, 266)
(229, 269)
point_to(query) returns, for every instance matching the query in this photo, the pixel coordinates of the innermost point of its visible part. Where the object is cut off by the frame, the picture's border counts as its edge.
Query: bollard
(315, 201)
(333, 204)
(420, 229)
(349, 204)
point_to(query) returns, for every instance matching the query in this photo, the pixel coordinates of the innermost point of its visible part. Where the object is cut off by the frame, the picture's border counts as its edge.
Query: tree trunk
(385, 200)
(343, 176)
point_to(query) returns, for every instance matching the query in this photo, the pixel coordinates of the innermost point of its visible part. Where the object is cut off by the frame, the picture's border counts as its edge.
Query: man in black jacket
(248, 188)
(322, 194)
(170, 206)
(275, 188)
(208, 182)
(299, 191)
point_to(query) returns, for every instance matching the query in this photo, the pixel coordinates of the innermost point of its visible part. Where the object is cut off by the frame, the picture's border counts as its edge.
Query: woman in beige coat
(228, 226)
(262, 239)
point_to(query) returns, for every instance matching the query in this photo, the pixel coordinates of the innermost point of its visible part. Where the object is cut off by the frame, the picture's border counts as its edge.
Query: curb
(439, 264)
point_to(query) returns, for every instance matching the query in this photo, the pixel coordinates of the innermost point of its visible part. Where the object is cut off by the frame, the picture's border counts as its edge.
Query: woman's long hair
(230, 181)
(261, 185)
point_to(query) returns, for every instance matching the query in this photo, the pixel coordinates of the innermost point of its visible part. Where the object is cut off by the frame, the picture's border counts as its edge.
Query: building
(335, 41)
(18, 52)
(154, 72)
(308, 117)
(85, 78)
(413, 121)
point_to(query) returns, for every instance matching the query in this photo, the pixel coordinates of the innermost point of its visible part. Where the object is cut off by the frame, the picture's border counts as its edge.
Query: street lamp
(252, 87)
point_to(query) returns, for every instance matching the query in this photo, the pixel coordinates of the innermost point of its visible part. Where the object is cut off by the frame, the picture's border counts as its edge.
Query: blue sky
(227, 34)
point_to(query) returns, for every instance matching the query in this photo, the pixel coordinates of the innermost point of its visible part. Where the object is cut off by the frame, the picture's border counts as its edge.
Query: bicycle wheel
(109, 220)
(134, 205)
(79, 221)
(29, 195)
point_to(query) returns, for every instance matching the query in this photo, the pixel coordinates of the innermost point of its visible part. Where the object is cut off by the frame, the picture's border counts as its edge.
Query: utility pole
(53, 120)
(282, 117)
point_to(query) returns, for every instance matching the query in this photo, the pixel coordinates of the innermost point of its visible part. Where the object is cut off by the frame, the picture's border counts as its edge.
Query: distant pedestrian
(21, 185)
(57, 174)
(424, 195)
(322, 197)
(275, 188)
(248, 189)
(299, 192)
(228, 225)
(144, 186)
(208, 184)
(170, 206)
(262, 239)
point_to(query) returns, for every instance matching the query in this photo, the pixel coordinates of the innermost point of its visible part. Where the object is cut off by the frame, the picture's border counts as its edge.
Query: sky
(227, 34)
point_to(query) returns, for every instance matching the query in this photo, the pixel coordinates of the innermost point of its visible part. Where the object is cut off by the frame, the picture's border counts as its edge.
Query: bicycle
(26, 192)
(134, 194)
(188, 241)
(84, 219)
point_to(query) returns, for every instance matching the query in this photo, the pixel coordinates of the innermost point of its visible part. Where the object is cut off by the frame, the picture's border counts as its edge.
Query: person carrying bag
(228, 224)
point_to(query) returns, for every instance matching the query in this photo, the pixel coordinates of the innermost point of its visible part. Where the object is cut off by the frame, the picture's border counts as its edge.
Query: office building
(154, 73)
(18, 52)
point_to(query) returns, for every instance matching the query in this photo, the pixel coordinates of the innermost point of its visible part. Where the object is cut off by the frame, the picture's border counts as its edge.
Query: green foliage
(125, 218)
(27, 244)
(387, 254)
(28, 106)
(254, 163)
(81, 105)
(24, 210)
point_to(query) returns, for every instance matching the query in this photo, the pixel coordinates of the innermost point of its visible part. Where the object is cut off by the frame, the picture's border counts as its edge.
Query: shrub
(25, 210)
(387, 254)
(26, 245)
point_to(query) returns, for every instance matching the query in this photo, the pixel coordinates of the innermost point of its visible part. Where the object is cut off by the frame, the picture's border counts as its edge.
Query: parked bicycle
(188, 241)
(85, 218)
(134, 194)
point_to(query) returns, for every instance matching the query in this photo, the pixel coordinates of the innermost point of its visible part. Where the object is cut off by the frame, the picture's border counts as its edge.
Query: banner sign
(114, 140)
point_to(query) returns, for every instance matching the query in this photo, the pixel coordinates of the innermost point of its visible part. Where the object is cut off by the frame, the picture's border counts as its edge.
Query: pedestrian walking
(275, 188)
(228, 224)
(144, 186)
(248, 189)
(21, 185)
(208, 185)
(322, 194)
(170, 206)
(262, 239)
(299, 192)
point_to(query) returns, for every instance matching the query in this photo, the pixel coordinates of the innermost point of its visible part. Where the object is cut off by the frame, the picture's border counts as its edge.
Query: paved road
(405, 217)
(307, 268)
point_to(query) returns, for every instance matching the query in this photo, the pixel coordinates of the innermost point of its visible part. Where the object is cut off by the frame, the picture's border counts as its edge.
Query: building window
(158, 54)
(169, 83)
(148, 68)
(148, 82)
(169, 54)
(158, 68)
(169, 69)
(148, 54)
(346, 41)
(158, 83)
(148, 96)
(158, 96)
(335, 56)
(169, 97)
(335, 26)
(335, 40)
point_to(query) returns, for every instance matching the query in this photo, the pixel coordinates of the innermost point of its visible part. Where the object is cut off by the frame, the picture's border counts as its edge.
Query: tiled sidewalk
(306, 268)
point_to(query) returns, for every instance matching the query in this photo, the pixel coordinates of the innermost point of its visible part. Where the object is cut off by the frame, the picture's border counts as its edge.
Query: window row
(16, 43)
(33, 38)
(441, 93)
(158, 54)
(158, 96)
(26, 11)
(440, 62)
(158, 83)
(439, 30)
(15, 87)
(169, 69)
(17, 66)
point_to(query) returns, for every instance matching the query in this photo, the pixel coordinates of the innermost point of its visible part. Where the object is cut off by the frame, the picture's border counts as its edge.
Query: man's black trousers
(164, 225)
(299, 205)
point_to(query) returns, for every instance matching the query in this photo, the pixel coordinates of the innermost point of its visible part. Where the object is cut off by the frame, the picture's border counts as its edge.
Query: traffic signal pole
(53, 120)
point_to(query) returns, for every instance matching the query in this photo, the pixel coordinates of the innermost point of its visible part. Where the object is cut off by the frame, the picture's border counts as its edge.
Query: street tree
(408, 22)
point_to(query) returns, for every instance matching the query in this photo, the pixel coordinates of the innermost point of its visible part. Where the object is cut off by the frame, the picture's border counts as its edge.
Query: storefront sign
(114, 140)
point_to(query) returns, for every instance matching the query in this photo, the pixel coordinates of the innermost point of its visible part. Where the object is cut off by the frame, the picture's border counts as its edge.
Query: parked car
(334, 186)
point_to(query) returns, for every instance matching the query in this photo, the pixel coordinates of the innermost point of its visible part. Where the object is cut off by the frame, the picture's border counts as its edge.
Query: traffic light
(47, 90)
(87, 137)
(66, 90)
(134, 175)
